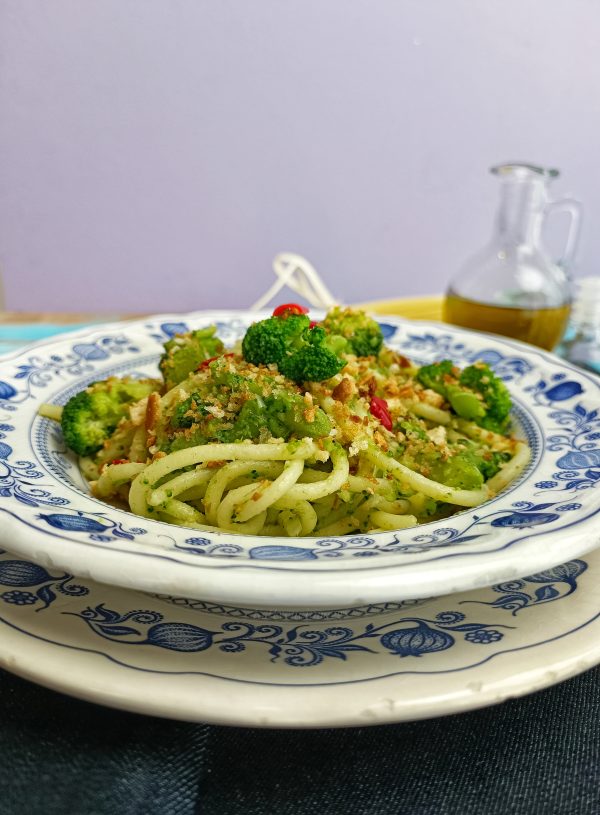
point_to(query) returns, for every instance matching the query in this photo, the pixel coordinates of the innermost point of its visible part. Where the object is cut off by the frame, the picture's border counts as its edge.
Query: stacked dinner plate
(492, 602)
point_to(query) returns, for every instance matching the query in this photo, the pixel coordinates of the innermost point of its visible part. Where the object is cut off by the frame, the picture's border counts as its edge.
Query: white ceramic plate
(129, 650)
(546, 517)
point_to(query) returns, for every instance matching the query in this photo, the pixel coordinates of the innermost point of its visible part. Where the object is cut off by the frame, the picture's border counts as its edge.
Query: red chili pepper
(207, 362)
(120, 461)
(289, 308)
(379, 408)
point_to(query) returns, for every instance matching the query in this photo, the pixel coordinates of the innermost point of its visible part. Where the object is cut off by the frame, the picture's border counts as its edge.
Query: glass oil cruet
(512, 286)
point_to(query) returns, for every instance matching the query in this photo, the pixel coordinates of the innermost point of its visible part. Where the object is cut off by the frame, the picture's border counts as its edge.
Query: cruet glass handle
(574, 209)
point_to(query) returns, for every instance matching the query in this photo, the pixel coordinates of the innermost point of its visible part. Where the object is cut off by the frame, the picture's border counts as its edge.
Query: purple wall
(156, 154)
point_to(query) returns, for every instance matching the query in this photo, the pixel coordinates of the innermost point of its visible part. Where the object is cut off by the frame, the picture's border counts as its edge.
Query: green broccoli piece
(465, 403)
(480, 379)
(277, 412)
(468, 469)
(413, 430)
(182, 441)
(292, 413)
(314, 362)
(223, 377)
(352, 332)
(252, 419)
(476, 393)
(487, 461)
(92, 415)
(184, 352)
(460, 471)
(283, 415)
(441, 377)
(436, 376)
(187, 412)
(490, 463)
(298, 350)
(271, 340)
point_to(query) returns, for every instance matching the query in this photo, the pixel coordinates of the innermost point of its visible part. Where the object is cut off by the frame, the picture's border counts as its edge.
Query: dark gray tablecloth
(540, 754)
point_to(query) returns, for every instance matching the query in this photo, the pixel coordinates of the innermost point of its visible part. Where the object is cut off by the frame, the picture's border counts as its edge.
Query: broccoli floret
(490, 463)
(476, 393)
(182, 441)
(441, 377)
(312, 363)
(256, 406)
(459, 471)
(184, 352)
(92, 415)
(468, 468)
(352, 332)
(293, 413)
(413, 430)
(250, 421)
(283, 415)
(271, 340)
(298, 350)
(436, 376)
(482, 380)
(186, 412)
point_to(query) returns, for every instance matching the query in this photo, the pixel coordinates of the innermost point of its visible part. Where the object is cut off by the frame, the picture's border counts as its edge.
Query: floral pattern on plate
(46, 508)
(32, 587)
(455, 653)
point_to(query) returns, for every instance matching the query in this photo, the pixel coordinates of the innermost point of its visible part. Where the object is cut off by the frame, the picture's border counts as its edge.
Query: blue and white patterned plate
(545, 518)
(125, 649)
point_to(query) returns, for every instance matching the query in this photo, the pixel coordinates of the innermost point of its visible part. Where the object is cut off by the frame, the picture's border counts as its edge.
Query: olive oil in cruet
(512, 286)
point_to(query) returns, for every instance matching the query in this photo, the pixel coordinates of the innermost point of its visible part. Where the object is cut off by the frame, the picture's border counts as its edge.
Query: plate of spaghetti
(296, 460)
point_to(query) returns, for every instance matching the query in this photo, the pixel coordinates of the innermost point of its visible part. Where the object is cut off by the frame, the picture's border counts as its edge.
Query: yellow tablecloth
(415, 308)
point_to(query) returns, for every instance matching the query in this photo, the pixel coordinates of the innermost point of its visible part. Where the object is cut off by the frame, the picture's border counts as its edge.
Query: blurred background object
(581, 344)
(156, 154)
(512, 286)
(300, 276)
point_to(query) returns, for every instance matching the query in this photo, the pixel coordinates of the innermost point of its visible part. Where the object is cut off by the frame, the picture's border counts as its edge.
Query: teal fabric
(14, 336)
